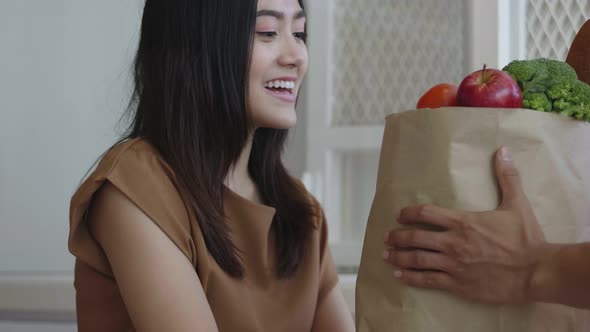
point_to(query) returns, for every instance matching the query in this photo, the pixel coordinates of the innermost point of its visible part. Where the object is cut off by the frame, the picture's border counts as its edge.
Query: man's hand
(488, 256)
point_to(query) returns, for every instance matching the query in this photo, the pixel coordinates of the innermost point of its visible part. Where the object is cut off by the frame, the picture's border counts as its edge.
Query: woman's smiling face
(278, 65)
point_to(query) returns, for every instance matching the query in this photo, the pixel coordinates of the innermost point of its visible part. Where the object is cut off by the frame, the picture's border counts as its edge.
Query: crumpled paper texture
(445, 157)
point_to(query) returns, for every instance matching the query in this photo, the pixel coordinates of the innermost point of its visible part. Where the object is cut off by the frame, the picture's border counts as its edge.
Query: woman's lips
(283, 94)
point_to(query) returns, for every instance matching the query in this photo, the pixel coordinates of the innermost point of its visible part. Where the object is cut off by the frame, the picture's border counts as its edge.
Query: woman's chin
(283, 122)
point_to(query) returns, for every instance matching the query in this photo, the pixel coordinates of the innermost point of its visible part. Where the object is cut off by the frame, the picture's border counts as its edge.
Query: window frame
(493, 42)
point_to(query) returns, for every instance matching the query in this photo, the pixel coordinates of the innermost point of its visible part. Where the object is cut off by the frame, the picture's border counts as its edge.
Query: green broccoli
(560, 90)
(537, 101)
(551, 86)
(560, 105)
(568, 95)
(521, 70)
(559, 71)
(580, 93)
(578, 112)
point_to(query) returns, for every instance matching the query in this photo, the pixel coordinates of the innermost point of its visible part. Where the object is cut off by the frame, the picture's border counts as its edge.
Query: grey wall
(63, 77)
(64, 73)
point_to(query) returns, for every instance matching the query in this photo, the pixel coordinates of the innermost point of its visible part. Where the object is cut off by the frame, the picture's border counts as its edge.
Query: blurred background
(64, 83)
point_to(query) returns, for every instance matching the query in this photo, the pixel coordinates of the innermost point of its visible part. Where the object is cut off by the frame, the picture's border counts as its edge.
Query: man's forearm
(562, 275)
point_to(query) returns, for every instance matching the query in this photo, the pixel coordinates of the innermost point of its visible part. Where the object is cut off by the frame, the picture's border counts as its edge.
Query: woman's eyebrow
(279, 15)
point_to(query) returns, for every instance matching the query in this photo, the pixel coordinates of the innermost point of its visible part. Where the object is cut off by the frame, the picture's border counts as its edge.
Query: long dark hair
(190, 101)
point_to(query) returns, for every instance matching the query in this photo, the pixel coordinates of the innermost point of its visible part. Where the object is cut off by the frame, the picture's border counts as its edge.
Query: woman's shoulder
(136, 169)
(132, 162)
(133, 152)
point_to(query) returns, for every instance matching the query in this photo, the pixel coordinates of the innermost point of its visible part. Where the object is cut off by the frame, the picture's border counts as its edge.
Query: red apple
(489, 88)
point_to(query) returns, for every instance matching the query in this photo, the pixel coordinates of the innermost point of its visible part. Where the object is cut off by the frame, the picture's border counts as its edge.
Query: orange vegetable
(440, 95)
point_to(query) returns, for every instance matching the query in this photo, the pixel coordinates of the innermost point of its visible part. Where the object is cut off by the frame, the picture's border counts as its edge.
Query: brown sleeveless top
(259, 302)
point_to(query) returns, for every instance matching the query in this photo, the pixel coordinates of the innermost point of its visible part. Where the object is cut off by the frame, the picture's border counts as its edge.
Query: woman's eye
(301, 35)
(267, 34)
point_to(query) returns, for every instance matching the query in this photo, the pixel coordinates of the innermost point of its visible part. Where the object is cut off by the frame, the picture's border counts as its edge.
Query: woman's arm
(333, 314)
(159, 286)
(497, 256)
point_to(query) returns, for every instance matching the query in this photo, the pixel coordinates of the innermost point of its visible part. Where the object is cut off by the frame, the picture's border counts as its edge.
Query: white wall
(64, 83)
(64, 68)
(63, 73)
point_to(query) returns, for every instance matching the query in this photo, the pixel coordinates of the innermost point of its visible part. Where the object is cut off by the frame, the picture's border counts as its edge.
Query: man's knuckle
(424, 210)
(460, 291)
(510, 172)
(398, 259)
(417, 260)
(465, 255)
(450, 247)
(461, 220)
(398, 238)
(431, 279)
(457, 249)
(412, 279)
(458, 267)
(412, 238)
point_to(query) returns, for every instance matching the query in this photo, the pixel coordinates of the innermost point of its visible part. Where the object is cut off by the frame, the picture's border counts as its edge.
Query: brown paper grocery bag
(445, 157)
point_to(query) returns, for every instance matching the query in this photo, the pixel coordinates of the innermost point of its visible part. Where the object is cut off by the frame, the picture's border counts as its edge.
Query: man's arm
(563, 276)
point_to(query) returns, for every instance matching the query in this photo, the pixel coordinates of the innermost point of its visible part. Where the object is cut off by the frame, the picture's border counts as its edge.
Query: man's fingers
(419, 239)
(426, 279)
(428, 214)
(508, 178)
(421, 260)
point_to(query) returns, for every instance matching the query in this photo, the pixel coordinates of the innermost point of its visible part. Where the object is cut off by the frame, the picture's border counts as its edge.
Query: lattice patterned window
(386, 53)
(368, 59)
(551, 26)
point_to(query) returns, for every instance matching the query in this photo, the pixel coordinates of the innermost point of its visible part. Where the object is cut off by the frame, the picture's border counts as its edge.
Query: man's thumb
(508, 178)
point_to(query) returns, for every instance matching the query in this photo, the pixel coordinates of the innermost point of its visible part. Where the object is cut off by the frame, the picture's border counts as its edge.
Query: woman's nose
(293, 52)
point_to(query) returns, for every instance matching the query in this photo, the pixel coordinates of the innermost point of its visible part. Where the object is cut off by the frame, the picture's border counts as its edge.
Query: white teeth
(280, 84)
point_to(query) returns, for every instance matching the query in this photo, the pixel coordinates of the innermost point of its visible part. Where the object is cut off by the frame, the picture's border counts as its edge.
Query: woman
(191, 222)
